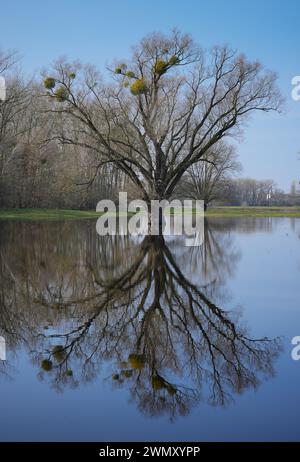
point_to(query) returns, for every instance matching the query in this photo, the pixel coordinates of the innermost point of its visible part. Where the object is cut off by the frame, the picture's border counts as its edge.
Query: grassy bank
(54, 214)
(254, 212)
(46, 214)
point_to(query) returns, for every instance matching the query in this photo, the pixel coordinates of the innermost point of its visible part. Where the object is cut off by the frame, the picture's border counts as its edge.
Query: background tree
(210, 180)
(248, 191)
(33, 171)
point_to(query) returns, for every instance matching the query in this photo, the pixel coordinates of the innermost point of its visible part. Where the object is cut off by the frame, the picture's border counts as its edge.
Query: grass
(56, 214)
(293, 212)
(46, 214)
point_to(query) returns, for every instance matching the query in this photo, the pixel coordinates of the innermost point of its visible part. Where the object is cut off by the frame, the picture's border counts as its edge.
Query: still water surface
(115, 338)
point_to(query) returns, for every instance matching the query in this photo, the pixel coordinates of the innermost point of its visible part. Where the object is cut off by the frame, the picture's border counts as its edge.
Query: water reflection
(149, 309)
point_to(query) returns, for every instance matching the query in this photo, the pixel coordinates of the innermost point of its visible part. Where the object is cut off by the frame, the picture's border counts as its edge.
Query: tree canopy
(162, 110)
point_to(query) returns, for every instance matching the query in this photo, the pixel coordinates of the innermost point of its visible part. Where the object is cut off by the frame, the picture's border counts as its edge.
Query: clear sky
(99, 31)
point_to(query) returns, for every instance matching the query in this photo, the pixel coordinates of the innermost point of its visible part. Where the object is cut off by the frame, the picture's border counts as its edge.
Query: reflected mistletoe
(162, 335)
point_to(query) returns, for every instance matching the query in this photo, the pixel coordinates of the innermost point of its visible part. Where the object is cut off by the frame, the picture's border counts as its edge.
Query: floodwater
(126, 339)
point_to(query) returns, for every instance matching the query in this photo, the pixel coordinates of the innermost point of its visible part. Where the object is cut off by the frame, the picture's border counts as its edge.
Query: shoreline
(66, 214)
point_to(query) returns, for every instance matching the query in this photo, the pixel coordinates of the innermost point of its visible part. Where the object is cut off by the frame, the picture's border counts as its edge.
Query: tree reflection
(132, 307)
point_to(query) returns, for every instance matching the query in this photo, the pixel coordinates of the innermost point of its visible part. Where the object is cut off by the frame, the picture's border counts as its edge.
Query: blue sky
(99, 31)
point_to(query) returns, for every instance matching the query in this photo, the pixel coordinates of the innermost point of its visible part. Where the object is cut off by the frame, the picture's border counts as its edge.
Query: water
(140, 339)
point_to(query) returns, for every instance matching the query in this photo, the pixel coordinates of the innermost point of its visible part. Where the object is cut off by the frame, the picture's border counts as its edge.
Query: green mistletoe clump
(61, 94)
(130, 74)
(120, 69)
(139, 87)
(46, 365)
(59, 353)
(49, 83)
(160, 67)
(136, 361)
(173, 60)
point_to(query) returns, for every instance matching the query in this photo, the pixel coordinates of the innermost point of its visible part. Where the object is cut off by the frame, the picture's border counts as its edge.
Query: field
(55, 214)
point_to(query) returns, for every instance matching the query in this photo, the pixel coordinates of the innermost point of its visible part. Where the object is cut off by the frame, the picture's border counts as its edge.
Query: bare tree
(209, 180)
(162, 111)
(12, 112)
(248, 191)
(8, 60)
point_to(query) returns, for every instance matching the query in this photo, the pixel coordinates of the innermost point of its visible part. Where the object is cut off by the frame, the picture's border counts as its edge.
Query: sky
(99, 31)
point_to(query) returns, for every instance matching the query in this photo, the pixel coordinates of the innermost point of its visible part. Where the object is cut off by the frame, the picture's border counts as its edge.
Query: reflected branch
(165, 337)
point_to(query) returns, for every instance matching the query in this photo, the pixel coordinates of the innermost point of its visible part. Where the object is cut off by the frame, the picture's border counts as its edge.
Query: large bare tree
(162, 111)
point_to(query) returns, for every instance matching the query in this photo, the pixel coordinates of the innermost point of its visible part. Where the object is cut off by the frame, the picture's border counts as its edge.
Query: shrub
(72, 75)
(118, 70)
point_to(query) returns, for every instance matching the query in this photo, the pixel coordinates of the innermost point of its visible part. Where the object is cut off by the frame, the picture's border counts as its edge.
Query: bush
(72, 75)
(118, 70)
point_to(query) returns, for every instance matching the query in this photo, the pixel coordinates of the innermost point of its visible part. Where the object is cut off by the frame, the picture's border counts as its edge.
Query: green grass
(46, 214)
(254, 212)
(55, 214)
